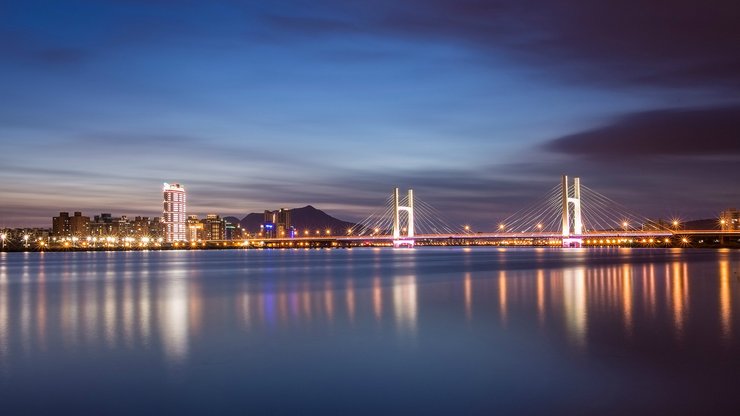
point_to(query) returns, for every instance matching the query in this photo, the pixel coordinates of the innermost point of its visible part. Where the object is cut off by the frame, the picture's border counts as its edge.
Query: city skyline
(477, 106)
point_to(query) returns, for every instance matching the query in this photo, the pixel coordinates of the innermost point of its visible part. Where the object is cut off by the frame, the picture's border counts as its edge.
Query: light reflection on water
(182, 305)
(118, 310)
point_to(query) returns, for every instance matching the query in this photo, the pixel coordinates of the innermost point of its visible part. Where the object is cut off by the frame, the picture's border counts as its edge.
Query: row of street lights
(4, 237)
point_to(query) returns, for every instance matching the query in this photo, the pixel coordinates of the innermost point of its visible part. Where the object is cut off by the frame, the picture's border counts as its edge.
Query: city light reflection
(725, 298)
(502, 297)
(541, 297)
(574, 301)
(377, 299)
(350, 299)
(173, 320)
(404, 304)
(679, 295)
(627, 297)
(468, 290)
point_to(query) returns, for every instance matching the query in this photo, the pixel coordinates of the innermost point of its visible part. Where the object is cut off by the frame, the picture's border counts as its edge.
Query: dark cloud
(678, 43)
(669, 132)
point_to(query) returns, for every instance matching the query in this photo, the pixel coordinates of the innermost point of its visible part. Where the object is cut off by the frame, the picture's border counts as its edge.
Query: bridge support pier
(408, 239)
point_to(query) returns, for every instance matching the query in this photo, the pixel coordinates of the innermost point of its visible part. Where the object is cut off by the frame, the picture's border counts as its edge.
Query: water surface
(371, 331)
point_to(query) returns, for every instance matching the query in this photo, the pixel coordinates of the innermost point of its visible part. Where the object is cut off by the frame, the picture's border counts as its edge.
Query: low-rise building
(65, 225)
(729, 219)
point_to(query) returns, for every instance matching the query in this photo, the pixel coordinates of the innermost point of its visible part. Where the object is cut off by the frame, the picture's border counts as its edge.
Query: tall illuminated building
(174, 215)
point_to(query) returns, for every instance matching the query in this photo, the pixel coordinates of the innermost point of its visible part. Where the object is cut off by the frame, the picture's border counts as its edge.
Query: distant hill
(706, 224)
(232, 220)
(304, 218)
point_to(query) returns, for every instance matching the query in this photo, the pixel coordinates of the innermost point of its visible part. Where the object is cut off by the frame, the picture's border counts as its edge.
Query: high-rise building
(174, 214)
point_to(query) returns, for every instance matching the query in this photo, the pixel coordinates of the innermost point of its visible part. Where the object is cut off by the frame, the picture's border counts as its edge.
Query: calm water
(371, 331)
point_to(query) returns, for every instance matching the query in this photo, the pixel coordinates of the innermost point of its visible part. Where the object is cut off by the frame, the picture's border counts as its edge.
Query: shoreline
(321, 246)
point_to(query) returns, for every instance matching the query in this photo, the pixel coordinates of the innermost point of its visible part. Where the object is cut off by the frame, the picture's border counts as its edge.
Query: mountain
(706, 224)
(306, 218)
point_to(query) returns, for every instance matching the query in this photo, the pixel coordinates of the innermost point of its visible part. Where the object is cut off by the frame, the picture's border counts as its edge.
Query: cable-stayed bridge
(569, 214)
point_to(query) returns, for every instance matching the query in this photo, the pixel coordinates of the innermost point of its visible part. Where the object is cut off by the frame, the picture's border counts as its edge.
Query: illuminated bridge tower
(572, 239)
(408, 240)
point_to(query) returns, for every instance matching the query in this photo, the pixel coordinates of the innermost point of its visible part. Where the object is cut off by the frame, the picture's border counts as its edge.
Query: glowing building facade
(175, 214)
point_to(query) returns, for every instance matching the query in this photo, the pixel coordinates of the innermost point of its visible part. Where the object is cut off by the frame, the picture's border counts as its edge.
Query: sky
(479, 106)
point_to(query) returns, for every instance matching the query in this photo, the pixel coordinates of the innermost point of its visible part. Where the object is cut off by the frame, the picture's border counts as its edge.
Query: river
(371, 331)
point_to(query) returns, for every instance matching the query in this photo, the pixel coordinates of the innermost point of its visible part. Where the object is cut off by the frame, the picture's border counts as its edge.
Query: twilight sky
(477, 105)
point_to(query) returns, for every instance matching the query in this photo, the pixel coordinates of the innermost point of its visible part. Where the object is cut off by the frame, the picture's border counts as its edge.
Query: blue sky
(477, 105)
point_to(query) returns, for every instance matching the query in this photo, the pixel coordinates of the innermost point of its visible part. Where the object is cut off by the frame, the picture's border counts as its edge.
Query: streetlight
(25, 240)
(3, 236)
(625, 224)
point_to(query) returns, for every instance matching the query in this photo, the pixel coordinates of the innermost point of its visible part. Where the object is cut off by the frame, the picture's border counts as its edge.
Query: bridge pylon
(398, 239)
(572, 239)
